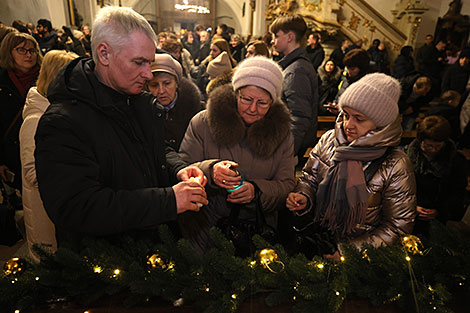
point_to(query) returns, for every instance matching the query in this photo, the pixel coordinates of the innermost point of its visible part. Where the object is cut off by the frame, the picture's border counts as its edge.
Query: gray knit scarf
(342, 194)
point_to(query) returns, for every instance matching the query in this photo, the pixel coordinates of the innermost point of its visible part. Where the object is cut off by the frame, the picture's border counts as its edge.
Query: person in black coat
(439, 168)
(237, 48)
(20, 61)
(456, 76)
(339, 53)
(103, 168)
(315, 51)
(432, 65)
(179, 97)
(415, 93)
(404, 63)
(329, 76)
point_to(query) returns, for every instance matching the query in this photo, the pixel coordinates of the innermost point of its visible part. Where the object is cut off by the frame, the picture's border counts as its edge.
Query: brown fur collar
(228, 128)
(225, 78)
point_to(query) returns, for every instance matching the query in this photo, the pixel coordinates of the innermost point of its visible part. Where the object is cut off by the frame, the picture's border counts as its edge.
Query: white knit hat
(220, 65)
(261, 72)
(376, 96)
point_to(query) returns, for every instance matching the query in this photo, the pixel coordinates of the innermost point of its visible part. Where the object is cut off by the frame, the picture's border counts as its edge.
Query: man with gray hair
(102, 165)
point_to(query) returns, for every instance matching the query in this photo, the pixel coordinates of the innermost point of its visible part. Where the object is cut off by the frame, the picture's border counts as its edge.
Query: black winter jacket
(102, 165)
(177, 119)
(11, 103)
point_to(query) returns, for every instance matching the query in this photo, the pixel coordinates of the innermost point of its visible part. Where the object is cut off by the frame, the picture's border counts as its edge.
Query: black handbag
(241, 231)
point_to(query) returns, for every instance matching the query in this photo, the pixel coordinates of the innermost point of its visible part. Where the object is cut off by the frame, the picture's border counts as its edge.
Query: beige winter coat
(392, 190)
(264, 152)
(39, 228)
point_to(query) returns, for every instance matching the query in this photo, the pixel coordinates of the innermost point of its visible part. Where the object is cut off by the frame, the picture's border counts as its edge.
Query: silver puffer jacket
(392, 190)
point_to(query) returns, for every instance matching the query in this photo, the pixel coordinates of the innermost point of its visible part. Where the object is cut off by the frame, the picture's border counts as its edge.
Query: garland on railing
(407, 274)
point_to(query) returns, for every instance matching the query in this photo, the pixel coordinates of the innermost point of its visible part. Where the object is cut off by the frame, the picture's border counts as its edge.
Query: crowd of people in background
(243, 111)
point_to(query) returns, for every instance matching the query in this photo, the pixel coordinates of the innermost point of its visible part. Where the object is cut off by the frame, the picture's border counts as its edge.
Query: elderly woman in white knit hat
(179, 96)
(356, 183)
(243, 143)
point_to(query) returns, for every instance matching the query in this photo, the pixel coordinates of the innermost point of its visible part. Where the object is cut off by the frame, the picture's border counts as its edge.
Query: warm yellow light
(294, 298)
(117, 271)
(337, 293)
(207, 289)
(408, 258)
(234, 296)
(37, 278)
(97, 269)
(17, 311)
(320, 265)
(342, 258)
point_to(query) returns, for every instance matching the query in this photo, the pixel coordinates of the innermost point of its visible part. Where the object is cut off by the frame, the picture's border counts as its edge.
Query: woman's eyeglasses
(23, 51)
(262, 104)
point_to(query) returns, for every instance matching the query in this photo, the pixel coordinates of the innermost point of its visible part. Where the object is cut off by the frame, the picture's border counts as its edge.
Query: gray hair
(113, 26)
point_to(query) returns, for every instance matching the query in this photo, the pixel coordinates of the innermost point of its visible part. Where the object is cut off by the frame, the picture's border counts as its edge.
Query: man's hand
(244, 194)
(426, 214)
(296, 201)
(188, 195)
(335, 256)
(192, 173)
(225, 177)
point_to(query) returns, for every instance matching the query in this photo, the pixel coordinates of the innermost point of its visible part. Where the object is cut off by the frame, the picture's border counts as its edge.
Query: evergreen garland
(219, 281)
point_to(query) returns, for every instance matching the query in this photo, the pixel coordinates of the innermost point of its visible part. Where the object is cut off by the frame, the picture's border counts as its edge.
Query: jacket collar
(228, 128)
(293, 56)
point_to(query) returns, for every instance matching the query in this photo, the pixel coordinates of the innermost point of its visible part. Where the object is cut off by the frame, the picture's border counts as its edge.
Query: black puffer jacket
(102, 164)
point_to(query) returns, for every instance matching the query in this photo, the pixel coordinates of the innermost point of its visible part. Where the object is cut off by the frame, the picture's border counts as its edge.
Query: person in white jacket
(39, 228)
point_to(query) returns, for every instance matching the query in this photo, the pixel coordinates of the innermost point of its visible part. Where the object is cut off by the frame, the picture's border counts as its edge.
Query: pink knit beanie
(261, 72)
(376, 96)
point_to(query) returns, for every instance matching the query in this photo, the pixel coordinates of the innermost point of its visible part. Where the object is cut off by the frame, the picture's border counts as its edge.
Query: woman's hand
(225, 177)
(296, 201)
(244, 194)
(426, 214)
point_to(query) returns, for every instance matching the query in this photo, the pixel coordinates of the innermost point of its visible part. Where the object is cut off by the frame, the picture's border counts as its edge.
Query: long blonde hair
(51, 64)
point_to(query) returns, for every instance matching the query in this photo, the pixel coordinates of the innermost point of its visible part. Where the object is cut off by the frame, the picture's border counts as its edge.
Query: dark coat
(430, 65)
(403, 66)
(315, 55)
(338, 55)
(11, 103)
(238, 52)
(102, 165)
(300, 93)
(328, 85)
(177, 119)
(441, 182)
(455, 78)
(409, 98)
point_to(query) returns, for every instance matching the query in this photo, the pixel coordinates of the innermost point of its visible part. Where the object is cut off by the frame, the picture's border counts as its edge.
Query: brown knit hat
(166, 63)
(219, 65)
(376, 96)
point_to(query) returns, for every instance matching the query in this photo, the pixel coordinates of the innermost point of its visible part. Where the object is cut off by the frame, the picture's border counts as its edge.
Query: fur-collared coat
(263, 150)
